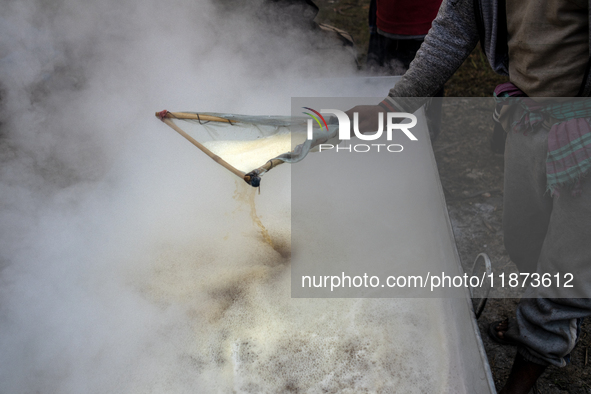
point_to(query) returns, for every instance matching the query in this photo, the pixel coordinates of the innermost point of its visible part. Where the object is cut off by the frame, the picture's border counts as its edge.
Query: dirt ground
(472, 179)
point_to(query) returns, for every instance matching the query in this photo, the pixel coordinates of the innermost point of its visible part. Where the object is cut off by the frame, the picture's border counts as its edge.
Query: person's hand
(368, 117)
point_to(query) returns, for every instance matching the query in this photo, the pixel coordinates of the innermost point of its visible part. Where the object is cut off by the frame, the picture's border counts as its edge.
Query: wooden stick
(185, 115)
(261, 170)
(209, 153)
(268, 165)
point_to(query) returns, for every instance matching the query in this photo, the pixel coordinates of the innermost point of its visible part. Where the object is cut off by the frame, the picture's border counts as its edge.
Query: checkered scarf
(569, 139)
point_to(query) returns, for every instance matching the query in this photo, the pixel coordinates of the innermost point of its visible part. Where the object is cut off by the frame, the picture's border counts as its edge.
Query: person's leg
(549, 313)
(544, 235)
(547, 330)
(375, 49)
(523, 376)
(526, 204)
(399, 53)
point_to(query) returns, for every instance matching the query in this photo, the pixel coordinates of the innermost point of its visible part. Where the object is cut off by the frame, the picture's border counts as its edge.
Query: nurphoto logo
(344, 130)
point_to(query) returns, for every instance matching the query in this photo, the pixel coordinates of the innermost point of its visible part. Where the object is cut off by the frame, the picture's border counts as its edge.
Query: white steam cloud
(127, 262)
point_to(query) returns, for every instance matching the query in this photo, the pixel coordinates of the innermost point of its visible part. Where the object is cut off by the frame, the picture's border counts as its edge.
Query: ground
(472, 179)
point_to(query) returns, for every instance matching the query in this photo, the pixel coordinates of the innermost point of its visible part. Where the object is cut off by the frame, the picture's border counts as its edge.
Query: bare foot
(523, 376)
(497, 332)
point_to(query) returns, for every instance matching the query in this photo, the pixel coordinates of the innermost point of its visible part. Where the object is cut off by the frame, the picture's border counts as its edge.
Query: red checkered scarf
(569, 140)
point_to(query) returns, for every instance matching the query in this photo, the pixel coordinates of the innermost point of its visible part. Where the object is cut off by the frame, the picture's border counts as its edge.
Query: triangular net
(249, 146)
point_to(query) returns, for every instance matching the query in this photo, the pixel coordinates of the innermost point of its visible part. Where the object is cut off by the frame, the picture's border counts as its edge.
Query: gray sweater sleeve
(453, 36)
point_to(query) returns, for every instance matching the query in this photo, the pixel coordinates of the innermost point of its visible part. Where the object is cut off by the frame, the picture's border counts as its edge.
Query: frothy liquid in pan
(250, 336)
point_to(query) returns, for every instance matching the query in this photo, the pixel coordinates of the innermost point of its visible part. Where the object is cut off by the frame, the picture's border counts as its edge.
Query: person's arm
(450, 41)
(453, 36)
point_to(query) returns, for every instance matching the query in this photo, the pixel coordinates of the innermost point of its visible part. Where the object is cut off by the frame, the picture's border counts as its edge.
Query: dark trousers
(549, 235)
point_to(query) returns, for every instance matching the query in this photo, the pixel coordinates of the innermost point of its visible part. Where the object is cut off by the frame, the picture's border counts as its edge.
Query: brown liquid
(246, 193)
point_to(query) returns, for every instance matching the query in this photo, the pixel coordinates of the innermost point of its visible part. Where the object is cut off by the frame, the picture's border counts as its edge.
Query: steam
(93, 187)
(129, 262)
